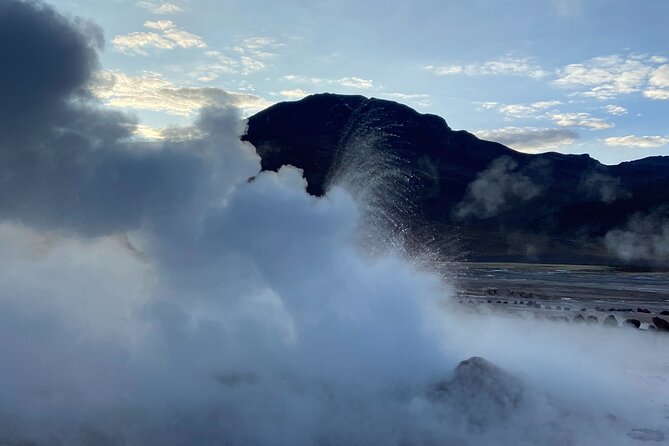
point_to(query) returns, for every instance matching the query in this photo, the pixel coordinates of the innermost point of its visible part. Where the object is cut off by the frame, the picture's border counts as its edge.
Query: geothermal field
(611, 296)
(198, 247)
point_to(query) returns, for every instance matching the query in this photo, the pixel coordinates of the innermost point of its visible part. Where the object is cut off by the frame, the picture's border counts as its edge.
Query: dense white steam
(249, 316)
(246, 315)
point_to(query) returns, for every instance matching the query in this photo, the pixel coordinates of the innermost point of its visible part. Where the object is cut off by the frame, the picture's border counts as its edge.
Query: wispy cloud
(509, 65)
(152, 91)
(165, 35)
(250, 55)
(159, 7)
(607, 76)
(657, 93)
(603, 77)
(530, 139)
(658, 84)
(254, 52)
(487, 105)
(580, 120)
(296, 93)
(544, 110)
(172, 133)
(346, 82)
(642, 142)
(356, 82)
(615, 110)
(519, 110)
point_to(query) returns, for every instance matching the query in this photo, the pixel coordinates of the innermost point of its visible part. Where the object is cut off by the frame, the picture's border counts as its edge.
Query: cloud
(542, 110)
(296, 93)
(527, 110)
(661, 94)
(658, 84)
(420, 100)
(505, 66)
(488, 105)
(218, 65)
(259, 44)
(160, 7)
(606, 77)
(615, 110)
(498, 188)
(346, 82)
(56, 138)
(356, 82)
(51, 59)
(637, 141)
(645, 237)
(145, 132)
(530, 139)
(580, 120)
(152, 91)
(254, 53)
(251, 55)
(169, 37)
(603, 77)
(515, 111)
(171, 133)
(660, 77)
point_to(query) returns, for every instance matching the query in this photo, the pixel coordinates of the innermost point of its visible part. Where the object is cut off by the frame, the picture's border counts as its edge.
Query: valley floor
(575, 293)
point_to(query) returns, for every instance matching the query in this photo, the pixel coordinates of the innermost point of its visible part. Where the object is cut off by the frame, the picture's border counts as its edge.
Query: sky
(572, 76)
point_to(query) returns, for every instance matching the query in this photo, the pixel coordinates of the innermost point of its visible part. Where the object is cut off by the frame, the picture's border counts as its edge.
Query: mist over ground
(173, 294)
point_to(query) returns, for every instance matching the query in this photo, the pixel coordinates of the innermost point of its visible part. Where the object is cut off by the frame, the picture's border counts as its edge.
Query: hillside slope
(501, 205)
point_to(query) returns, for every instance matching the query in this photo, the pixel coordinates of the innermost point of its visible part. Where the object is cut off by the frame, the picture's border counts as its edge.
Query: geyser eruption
(151, 294)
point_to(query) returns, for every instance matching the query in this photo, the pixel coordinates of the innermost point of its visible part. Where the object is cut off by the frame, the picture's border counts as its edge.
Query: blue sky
(574, 76)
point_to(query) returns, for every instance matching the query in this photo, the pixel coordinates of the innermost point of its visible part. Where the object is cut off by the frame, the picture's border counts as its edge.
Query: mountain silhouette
(497, 203)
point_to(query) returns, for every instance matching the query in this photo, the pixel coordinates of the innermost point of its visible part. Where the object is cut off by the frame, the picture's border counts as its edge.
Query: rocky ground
(580, 294)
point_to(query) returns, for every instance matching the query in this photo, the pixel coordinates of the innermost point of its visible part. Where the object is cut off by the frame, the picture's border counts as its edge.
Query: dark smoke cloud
(66, 162)
(497, 189)
(46, 62)
(51, 137)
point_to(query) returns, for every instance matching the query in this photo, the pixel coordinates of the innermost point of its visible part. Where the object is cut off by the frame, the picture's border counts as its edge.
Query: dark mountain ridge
(501, 204)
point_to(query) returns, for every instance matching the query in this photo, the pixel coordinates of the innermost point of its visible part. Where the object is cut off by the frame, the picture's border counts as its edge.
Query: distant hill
(500, 204)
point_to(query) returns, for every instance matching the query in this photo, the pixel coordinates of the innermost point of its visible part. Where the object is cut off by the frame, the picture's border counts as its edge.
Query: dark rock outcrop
(636, 323)
(661, 324)
(483, 392)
